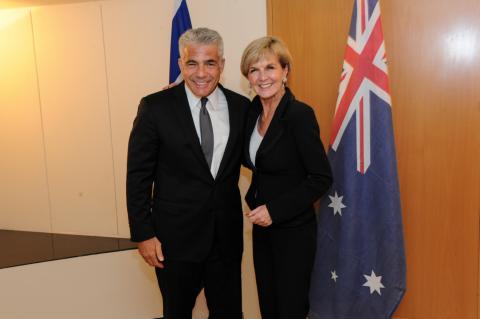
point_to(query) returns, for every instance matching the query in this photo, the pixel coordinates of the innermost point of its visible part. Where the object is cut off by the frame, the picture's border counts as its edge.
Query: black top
(291, 168)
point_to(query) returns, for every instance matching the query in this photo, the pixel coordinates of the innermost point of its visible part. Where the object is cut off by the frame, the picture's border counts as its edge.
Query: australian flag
(180, 23)
(359, 271)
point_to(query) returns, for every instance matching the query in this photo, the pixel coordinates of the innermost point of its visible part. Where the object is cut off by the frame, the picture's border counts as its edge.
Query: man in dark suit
(183, 199)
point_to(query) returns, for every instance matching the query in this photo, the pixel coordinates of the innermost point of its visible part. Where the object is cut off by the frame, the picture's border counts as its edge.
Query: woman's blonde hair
(259, 47)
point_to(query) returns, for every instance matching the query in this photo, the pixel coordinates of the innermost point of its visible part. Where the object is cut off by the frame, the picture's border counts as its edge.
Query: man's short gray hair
(200, 36)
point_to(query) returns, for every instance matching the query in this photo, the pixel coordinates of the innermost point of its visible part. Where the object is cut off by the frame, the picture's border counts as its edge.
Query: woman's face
(266, 76)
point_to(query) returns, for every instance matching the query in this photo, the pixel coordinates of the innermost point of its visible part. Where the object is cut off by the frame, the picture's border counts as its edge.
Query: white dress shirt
(255, 141)
(218, 110)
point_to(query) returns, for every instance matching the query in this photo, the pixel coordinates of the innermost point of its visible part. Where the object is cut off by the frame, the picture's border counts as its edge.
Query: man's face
(201, 68)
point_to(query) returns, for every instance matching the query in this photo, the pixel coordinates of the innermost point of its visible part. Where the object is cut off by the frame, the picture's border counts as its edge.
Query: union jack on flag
(364, 71)
(359, 271)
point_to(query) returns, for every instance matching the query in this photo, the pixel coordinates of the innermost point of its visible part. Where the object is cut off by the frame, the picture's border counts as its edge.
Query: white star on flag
(336, 204)
(334, 275)
(374, 283)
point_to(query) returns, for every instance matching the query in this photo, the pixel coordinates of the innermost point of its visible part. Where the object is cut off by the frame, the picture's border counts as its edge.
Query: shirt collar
(195, 101)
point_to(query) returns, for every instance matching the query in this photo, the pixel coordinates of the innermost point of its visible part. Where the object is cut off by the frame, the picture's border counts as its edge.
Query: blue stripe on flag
(180, 23)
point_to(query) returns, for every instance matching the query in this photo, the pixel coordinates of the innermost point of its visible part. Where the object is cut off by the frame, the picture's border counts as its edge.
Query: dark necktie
(206, 132)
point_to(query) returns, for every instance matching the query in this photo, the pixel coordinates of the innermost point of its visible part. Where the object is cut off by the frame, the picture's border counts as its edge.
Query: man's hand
(260, 216)
(151, 251)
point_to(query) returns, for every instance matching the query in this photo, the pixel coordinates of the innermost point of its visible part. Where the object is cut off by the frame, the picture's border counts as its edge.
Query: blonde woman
(290, 172)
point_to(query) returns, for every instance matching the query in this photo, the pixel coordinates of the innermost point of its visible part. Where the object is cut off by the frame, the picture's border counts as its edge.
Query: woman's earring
(284, 81)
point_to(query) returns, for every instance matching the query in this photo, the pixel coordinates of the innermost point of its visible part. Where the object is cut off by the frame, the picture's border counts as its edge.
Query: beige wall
(115, 285)
(71, 77)
(24, 200)
(70, 81)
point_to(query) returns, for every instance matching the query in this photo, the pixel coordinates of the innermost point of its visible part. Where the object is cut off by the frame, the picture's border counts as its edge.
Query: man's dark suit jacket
(188, 209)
(291, 168)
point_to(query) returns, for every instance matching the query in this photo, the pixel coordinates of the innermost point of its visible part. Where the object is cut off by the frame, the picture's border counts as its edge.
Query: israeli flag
(180, 23)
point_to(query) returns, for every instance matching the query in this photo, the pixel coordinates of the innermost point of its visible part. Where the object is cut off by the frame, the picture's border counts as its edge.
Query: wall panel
(435, 60)
(317, 54)
(23, 187)
(136, 66)
(433, 48)
(71, 66)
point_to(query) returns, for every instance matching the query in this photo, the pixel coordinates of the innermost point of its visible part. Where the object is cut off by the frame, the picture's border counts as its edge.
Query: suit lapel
(276, 128)
(184, 115)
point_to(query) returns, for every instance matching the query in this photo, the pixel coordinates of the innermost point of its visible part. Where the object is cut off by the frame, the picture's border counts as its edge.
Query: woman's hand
(260, 216)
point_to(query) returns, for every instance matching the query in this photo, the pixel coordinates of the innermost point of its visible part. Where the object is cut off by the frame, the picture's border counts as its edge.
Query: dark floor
(21, 247)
